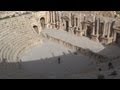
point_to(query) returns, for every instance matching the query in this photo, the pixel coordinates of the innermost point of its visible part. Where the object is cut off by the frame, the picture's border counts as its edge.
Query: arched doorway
(67, 26)
(66, 19)
(89, 31)
(111, 29)
(42, 22)
(101, 28)
(72, 20)
(35, 27)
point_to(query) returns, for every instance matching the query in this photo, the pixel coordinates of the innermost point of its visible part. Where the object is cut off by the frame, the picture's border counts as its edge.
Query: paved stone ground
(41, 62)
(84, 42)
(47, 66)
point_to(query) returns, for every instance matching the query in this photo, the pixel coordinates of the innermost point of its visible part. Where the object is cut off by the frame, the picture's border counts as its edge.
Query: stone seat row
(6, 50)
(11, 45)
(14, 23)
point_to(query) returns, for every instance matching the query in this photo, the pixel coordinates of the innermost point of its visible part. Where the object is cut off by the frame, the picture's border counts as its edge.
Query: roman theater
(59, 44)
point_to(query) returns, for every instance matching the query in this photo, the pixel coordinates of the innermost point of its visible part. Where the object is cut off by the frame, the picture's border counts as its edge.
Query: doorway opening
(101, 32)
(42, 22)
(89, 31)
(35, 27)
(67, 26)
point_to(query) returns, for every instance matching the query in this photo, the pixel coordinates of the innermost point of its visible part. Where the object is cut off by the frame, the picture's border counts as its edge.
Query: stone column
(93, 32)
(104, 29)
(85, 28)
(57, 15)
(54, 19)
(47, 18)
(70, 21)
(114, 36)
(109, 25)
(98, 23)
(60, 20)
(84, 24)
(57, 19)
(74, 21)
(80, 22)
(50, 18)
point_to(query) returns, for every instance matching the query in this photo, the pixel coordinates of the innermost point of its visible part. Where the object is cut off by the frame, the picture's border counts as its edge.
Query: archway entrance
(67, 26)
(36, 29)
(101, 31)
(42, 22)
(89, 31)
(66, 23)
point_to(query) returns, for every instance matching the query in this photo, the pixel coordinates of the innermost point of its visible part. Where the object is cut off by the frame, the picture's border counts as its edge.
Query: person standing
(110, 66)
(59, 60)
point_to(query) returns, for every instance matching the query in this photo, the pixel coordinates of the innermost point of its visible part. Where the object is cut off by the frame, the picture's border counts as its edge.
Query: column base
(49, 26)
(53, 25)
(78, 33)
(94, 38)
(107, 41)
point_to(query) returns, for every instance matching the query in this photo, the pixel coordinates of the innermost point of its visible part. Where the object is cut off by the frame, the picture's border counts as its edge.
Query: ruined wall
(19, 23)
(7, 14)
(42, 14)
